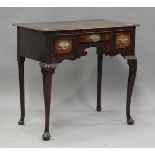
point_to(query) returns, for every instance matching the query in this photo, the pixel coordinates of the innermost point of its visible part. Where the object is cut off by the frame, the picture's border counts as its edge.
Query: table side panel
(33, 45)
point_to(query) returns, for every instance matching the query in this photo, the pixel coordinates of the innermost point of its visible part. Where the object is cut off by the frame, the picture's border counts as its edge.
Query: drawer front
(86, 38)
(94, 37)
(123, 40)
(63, 44)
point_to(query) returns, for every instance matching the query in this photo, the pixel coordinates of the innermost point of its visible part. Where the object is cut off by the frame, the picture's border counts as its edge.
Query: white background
(74, 121)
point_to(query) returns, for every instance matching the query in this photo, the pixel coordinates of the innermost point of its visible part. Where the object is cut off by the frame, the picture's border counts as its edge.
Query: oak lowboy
(51, 43)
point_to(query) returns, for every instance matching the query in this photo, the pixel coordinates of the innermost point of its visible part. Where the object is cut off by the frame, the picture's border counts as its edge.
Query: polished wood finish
(63, 45)
(41, 46)
(74, 25)
(106, 36)
(47, 72)
(53, 42)
(123, 40)
(94, 37)
(99, 78)
(132, 62)
(21, 86)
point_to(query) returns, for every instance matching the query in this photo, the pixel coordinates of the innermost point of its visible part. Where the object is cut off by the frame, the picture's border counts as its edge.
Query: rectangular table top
(74, 25)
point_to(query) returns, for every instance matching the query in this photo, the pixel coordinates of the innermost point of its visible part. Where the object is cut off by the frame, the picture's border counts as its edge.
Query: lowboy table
(52, 42)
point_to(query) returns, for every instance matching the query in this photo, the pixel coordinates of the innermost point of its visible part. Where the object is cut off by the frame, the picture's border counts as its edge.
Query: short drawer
(90, 37)
(123, 39)
(94, 37)
(63, 44)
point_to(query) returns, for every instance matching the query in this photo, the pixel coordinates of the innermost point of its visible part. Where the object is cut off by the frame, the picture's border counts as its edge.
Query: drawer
(94, 37)
(63, 44)
(123, 39)
(90, 37)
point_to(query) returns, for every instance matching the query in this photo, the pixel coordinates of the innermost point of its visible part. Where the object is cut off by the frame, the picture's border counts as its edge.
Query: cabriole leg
(132, 62)
(47, 72)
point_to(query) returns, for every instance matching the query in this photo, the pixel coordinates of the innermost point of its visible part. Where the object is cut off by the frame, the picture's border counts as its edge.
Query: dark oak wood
(21, 85)
(74, 25)
(41, 46)
(47, 72)
(99, 78)
(51, 43)
(132, 62)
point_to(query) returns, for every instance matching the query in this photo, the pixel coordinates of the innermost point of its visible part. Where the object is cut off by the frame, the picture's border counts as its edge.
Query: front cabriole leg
(132, 62)
(47, 72)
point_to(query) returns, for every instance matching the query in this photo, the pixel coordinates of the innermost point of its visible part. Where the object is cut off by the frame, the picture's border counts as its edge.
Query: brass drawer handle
(63, 45)
(123, 39)
(95, 37)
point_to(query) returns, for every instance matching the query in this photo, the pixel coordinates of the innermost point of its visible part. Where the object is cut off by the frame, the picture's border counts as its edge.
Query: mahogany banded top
(74, 25)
